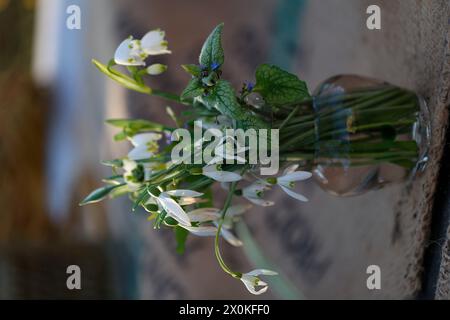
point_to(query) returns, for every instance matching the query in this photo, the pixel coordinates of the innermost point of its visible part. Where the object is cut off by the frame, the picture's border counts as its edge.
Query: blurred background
(53, 104)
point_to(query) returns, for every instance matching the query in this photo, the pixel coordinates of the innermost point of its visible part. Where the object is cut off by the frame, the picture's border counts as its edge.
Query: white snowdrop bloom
(228, 149)
(255, 192)
(228, 235)
(133, 52)
(252, 281)
(145, 145)
(287, 181)
(172, 208)
(156, 69)
(129, 53)
(135, 174)
(153, 43)
(214, 172)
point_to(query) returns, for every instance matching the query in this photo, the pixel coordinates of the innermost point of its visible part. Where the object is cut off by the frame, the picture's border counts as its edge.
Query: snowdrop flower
(145, 145)
(172, 207)
(228, 149)
(129, 53)
(214, 172)
(255, 192)
(252, 281)
(156, 69)
(133, 52)
(204, 215)
(135, 173)
(287, 181)
(153, 43)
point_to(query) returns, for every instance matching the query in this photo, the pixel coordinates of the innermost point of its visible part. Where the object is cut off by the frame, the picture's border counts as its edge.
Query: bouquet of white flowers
(242, 139)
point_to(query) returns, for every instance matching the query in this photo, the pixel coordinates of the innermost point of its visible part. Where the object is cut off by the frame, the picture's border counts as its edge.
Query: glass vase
(359, 134)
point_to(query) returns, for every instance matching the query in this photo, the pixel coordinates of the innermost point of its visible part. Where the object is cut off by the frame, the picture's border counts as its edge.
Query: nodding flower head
(249, 86)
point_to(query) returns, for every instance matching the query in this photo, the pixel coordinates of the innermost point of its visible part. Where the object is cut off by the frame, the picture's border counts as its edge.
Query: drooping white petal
(230, 238)
(185, 201)
(201, 231)
(294, 176)
(127, 53)
(153, 43)
(290, 168)
(129, 165)
(173, 209)
(156, 69)
(204, 214)
(258, 272)
(250, 285)
(139, 153)
(293, 194)
(144, 138)
(183, 193)
(223, 176)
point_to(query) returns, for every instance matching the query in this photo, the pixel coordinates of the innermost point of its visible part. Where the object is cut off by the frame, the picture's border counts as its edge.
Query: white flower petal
(223, 176)
(294, 176)
(126, 55)
(201, 231)
(156, 69)
(204, 214)
(293, 194)
(129, 165)
(249, 284)
(143, 139)
(183, 193)
(185, 201)
(139, 153)
(173, 209)
(153, 43)
(290, 168)
(230, 238)
(258, 272)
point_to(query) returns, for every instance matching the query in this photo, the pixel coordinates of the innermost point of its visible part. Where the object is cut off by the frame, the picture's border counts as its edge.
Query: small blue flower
(214, 66)
(249, 86)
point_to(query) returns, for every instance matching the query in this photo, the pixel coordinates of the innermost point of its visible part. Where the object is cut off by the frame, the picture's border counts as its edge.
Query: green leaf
(99, 194)
(136, 124)
(223, 98)
(124, 80)
(212, 51)
(192, 90)
(279, 87)
(192, 69)
(181, 235)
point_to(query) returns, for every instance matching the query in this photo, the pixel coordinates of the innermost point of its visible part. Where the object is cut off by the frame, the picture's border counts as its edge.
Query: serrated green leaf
(192, 69)
(279, 87)
(122, 79)
(181, 235)
(212, 51)
(222, 98)
(98, 194)
(192, 90)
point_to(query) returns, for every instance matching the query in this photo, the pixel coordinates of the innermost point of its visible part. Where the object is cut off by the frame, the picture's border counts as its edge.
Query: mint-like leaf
(192, 90)
(279, 87)
(212, 55)
(222, 97)
(192, 69)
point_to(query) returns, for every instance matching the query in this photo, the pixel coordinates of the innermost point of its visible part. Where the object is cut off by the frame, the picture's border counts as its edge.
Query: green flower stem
(219, 228)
